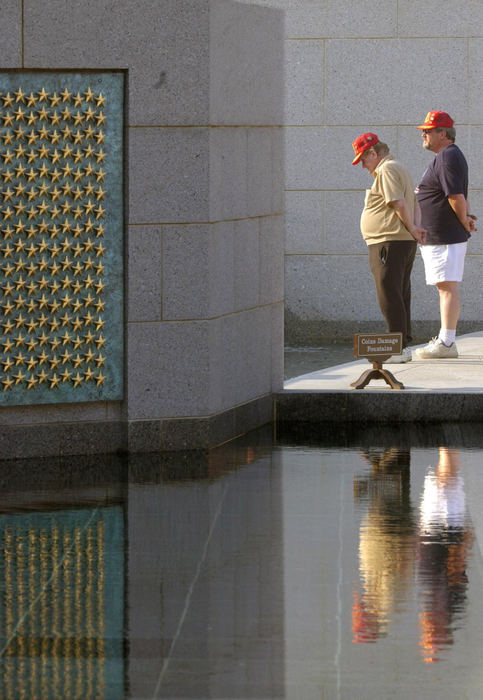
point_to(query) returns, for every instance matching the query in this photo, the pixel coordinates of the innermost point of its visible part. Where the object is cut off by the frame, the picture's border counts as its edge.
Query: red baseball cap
(434, 120)
(362, 143)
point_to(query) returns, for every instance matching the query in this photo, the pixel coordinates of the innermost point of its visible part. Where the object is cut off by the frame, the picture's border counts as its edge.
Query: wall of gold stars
(61, 237)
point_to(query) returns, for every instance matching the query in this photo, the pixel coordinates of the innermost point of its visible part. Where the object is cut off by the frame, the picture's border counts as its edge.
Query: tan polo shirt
(379, 222)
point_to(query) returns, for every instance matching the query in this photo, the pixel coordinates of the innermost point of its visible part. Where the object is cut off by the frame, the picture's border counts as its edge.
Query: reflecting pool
(333, 563)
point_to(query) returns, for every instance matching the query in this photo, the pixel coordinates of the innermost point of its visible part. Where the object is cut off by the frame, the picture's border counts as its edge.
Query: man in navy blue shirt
(442, 197)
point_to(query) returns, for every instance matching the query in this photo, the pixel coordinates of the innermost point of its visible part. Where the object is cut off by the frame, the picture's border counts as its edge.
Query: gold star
(19, 377)
(54, 343)
(76, 324)
(43, 375)
(89, 207)
(77, 380)
(55, 118)
(8, 138)
(8, 156)
(8, 119)
(31, 119)
(54, 100)
(7, 100)
(89, 133)
(8, 175)
(43, 95)
(77, 342)
(66, 95)
(88, 374)
(89, 95)
(31, 382)
(31, 326)
(78, 118)
(77, 250)
(55, 175)
(54, 362)
(100, 118)
(8, 270)
(43, 263)
(77, 136)
(8, 326)
(43, 357)
(8, 306)
(100, 136)
(19, 133)
(89, 356)
(43, 114)
(19, 95)
(43, 340)
(8, 289)
(89, 337)
(44, 132)
(54, 306)
(67, 134)
(66, 338)
(8, 345)
(20, 151)
(55, 136)
(32, 346)
(19, 114)
(7, 213)
(77, 175)
(55, 286)
(31, 307)
(20, 321)
(100, 379)
(43, 171)
(20, 340)
(42, 320)
(77, 306)
(20, 283)
(19, 359)
(66, 319)
(66, 357)
(31, 364)
(100, 306)
(66, 375)
(66, 263)
(7, 383)
(54, 381)
(77, 361)
(100, 360)
(100, 99)
(7, 364)
(7, 231)
(101, 341)
(54, 211)
(66, 226)
(20, 300)
(100, 156)
(32, 137)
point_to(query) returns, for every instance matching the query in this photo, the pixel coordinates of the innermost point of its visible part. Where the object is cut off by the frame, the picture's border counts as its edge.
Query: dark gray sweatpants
(391, 264)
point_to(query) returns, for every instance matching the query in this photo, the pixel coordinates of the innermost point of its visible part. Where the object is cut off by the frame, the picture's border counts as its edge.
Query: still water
(327, 566)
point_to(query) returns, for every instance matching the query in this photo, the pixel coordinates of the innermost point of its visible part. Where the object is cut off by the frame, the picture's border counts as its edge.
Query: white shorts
(443, 263)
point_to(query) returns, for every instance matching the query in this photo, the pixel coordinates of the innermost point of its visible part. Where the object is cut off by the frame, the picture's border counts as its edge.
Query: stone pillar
(204, 229)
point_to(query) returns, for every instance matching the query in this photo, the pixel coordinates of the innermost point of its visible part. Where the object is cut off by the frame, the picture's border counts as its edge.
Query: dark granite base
(384, 408)
(111, 437)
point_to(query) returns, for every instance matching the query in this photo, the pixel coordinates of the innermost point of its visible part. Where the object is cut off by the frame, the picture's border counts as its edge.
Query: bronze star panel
(61, 237)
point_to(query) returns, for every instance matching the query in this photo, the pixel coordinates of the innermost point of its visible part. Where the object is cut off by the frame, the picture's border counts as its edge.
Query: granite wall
(204, 225)
(357, 66)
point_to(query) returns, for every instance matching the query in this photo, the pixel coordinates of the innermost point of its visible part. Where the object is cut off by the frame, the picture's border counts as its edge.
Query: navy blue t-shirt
(447, 174)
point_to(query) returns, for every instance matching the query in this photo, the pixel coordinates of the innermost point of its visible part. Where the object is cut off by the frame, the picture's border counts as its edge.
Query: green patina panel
(62, 604)
(61, 237)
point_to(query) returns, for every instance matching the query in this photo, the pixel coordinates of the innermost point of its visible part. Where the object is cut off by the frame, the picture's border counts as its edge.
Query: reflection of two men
(386, 544)
(445, 539)
(393, 547)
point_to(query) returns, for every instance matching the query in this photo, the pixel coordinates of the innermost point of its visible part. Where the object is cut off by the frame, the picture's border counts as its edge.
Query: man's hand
(419, 234)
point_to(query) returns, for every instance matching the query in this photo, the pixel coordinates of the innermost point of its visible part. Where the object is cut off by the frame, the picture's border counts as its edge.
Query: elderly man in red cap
(388, 227)
(442, 196)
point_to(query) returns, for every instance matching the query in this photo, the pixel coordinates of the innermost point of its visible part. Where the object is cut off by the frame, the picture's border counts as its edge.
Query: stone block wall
(354, 66)
(204, 224)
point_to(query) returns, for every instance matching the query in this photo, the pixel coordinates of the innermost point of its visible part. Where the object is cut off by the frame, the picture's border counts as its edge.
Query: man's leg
(449, 304)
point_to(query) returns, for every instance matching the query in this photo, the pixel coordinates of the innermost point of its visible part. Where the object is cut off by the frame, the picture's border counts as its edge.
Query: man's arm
(401, 209)
(460, 206)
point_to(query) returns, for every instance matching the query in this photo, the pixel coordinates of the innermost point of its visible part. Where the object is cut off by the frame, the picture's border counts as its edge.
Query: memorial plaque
(61, 237)
(377, 344)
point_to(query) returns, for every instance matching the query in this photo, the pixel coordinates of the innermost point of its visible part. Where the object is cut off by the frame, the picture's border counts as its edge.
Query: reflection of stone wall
(203, 213)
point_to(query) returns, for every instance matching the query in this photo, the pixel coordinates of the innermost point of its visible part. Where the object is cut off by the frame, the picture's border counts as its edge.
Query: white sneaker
(436, 349)
(405, 356)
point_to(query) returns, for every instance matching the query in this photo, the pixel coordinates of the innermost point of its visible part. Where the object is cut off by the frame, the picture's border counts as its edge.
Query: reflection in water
(445, 538)
(386, 543)
(250, 571)
(398, 551)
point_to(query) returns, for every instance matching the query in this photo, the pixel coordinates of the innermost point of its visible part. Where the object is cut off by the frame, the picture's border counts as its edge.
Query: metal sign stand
(378, 372)
(377, 348)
